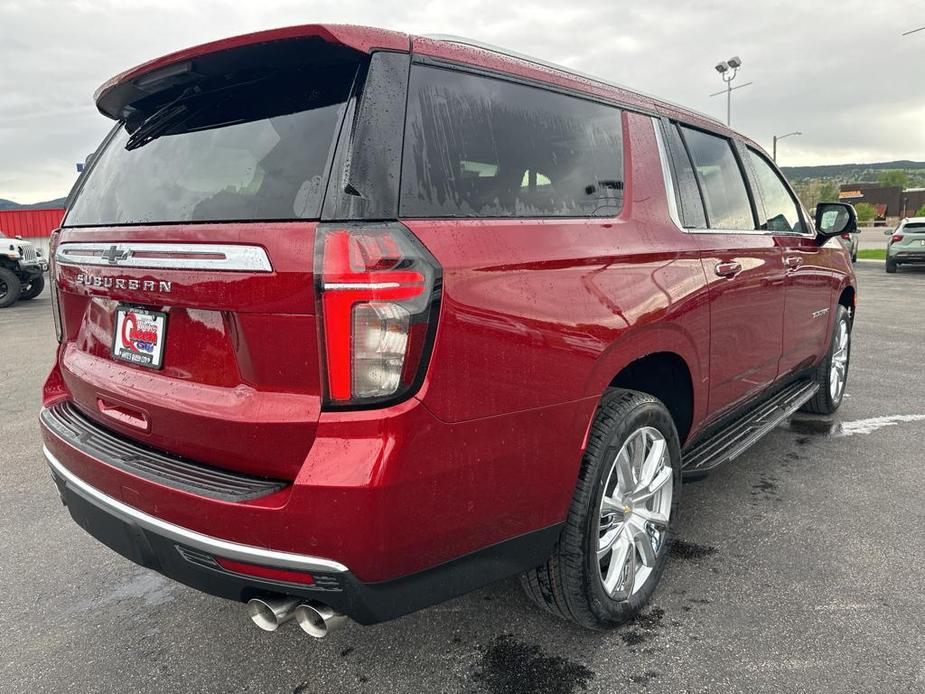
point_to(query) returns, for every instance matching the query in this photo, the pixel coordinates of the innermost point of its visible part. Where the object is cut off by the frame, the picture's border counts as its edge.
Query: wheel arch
(666, 376)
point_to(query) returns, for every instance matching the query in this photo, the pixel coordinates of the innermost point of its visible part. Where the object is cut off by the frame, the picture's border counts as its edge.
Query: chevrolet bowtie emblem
(114, 254)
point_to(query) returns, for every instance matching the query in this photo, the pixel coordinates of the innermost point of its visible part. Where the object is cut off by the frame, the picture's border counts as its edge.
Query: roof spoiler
(115, 97)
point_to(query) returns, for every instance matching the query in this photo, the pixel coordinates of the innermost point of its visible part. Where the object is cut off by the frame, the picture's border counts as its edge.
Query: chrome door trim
(185, 536)
(169, 256)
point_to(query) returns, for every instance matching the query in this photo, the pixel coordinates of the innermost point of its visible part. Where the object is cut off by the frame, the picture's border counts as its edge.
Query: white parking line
(868, 426)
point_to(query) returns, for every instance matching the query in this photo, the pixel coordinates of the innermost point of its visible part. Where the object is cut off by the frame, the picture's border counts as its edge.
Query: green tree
(866, 212)
(920, 212)
(828, 192)
(893, 177)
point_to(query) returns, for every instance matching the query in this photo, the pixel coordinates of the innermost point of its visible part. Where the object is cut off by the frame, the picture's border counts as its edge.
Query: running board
(734, 439)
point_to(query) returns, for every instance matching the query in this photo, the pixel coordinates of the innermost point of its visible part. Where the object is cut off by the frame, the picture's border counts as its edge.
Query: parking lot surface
(797, 568)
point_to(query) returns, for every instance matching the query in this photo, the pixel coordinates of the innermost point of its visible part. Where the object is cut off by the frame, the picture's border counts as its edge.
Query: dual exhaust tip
(315, 618)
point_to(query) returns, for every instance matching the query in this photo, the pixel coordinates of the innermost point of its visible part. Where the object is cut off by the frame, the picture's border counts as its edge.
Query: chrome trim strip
(191, 538)
(217, 257)
(666, 175)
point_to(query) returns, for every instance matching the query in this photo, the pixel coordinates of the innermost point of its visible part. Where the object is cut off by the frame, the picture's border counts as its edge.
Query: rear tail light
(52, 280)
(378, 295)
(896, 237)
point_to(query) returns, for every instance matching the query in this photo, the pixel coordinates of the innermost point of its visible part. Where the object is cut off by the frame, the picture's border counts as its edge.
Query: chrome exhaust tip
(317, 619)
(271, 613)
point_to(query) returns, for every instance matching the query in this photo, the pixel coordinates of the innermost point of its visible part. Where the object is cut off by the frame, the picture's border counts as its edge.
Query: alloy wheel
(838, 371)
(634, 513)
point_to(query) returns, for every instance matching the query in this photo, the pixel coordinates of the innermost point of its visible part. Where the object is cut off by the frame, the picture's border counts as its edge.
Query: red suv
(352, 322)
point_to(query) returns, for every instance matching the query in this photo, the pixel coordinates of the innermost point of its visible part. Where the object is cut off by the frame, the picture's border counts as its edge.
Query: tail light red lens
(378, 298)
(896, 237)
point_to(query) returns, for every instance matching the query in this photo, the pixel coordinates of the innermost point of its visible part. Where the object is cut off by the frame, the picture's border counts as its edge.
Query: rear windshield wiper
(157, 124)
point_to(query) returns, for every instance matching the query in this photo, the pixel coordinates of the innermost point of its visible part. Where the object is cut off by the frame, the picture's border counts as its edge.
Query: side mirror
(835, 218)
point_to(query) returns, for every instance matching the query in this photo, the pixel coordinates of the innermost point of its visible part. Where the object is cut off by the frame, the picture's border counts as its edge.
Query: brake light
(378, 296)
(896, 237)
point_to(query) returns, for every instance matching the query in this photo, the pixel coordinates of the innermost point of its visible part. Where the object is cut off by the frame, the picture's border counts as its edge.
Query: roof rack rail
(473, 43)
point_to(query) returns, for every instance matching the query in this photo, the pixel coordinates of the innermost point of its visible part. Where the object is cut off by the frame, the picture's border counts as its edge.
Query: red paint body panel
(30, 223)
(537, 318)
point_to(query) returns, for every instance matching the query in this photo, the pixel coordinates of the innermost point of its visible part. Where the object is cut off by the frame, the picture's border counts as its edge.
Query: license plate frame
(138, 336)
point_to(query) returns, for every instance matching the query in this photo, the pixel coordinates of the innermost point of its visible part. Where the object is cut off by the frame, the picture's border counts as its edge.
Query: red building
(33, 224)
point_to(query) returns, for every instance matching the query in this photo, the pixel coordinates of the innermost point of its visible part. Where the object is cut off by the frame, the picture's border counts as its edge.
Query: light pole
(781, 137)
(728, 70)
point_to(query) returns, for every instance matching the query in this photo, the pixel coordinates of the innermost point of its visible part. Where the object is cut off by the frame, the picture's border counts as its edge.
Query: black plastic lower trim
(70, 425)
(366, 603)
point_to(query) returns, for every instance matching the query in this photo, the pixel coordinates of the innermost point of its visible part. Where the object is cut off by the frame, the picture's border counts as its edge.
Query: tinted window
(257, 148)
(482, 147)
(692, 216)
(721, 182)
(779, 206)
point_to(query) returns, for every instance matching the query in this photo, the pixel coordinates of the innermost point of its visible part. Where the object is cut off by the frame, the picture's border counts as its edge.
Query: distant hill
(851, 172)
(10, 205)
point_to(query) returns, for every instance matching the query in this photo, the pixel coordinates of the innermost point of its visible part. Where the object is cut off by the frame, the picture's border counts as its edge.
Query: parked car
(906, 244)
(21, 270)
(387, 318)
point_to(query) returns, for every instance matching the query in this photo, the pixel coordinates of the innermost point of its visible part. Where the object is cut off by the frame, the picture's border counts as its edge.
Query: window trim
(801, 213)
(465, 68)
(749, 193)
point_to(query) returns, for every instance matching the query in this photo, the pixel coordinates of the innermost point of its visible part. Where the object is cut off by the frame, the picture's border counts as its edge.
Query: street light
(781, 137)
(727, 71)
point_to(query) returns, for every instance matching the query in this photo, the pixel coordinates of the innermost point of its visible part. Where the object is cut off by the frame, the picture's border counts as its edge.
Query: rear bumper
(190, 557)
(916, 256)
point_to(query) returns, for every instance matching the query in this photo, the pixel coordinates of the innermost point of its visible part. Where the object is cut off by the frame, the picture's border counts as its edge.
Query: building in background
(35, 225)
(891, 202)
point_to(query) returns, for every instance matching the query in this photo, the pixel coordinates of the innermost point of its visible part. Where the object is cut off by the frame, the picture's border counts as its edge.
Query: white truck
(22, 270)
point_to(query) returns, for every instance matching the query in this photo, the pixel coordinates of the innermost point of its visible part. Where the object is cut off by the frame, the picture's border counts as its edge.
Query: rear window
(255, 146)
(483, 147)
(914, 226)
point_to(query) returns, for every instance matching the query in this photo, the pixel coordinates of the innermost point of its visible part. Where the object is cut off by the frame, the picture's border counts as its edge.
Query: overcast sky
(836, 70)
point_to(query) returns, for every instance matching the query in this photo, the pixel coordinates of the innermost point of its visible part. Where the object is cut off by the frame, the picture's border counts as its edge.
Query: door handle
(730, 269)
(794, 261)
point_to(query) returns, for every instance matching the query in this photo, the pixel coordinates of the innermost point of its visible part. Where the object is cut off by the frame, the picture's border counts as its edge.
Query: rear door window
(482, 147)
(720, 177)
(255, 147)
(780, 207)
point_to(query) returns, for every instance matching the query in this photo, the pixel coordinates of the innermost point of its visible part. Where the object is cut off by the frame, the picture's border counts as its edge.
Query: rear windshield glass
(482, 147)
(256, 147)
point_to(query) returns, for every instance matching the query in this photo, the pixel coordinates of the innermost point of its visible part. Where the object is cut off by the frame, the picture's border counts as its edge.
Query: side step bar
(734, 439)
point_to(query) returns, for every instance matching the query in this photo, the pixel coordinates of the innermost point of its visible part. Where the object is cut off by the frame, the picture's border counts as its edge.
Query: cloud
(841, 73)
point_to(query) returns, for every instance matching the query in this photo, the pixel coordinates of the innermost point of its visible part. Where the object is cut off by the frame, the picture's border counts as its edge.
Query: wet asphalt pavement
(798, 568)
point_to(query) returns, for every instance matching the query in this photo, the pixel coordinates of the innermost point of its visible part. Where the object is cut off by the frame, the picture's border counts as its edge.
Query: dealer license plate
(139, 336)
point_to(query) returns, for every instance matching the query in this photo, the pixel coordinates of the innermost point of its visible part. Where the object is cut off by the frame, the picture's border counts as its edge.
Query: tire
(10, 288)
(890, 266)
(828, 397)
(571, 584)
(33, 288)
